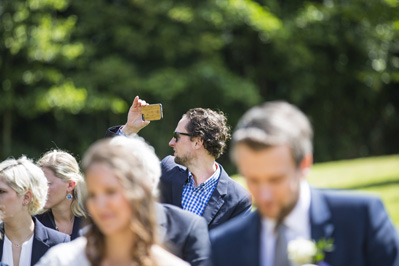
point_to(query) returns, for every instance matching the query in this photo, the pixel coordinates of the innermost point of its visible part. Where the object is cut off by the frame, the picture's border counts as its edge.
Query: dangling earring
(69, 196)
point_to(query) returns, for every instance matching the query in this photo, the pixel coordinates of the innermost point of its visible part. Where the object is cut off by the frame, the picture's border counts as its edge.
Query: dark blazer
(44, 238)
(227, 201)
(362, 231)
(184, 234)
(47, 219)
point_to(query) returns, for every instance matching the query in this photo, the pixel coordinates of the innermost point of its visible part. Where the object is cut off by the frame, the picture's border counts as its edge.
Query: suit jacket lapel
(39, 246)
(322, 226)
(217, 199)
(320, 217)
(177, 188)
(252, 251)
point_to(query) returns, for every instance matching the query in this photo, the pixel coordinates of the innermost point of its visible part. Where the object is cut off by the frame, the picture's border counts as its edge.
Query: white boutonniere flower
(303, 252)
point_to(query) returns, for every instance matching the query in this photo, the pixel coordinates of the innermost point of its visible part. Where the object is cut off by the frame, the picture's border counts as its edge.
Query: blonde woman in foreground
(65, 207)
(121, 207)
(23, 190)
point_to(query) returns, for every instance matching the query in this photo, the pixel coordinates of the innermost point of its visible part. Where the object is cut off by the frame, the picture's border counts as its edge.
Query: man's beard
(183, 160)
(287, 209)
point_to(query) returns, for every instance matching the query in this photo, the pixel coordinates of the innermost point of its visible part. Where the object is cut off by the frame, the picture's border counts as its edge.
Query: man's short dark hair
(211, 127)
(273, 124)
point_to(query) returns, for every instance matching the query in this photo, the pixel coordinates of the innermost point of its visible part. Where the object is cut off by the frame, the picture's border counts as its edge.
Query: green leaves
(65, 97)
(336, 60)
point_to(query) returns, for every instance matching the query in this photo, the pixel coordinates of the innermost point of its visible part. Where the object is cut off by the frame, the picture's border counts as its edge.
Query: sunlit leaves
(166, 83)
(106, 102)
(311, 13)
(257, 16)
(48, 39)
(64, 96)
(51, 4)
(36, 45)
(181, 13)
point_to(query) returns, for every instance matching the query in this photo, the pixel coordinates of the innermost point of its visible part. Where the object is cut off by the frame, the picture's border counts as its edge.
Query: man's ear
(306, 164)
(198, 143)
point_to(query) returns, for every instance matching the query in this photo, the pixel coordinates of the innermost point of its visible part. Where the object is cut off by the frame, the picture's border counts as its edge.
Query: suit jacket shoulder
(362, 231)
(236, 242)
(171, 183)
(229, 200)
(111, 132)
(192, 243)
(72, 253)
(44, 239)
(170, 169)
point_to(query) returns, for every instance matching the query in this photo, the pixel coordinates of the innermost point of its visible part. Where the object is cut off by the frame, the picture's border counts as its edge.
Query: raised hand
(134, 118)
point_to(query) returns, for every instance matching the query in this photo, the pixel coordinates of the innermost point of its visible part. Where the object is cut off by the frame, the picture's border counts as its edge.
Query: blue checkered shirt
(194, 199)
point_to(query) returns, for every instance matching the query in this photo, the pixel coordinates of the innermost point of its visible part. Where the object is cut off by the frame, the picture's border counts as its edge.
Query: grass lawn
(375, 175)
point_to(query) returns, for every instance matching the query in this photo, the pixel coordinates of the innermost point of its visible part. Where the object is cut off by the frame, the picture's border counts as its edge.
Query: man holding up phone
(192, 179)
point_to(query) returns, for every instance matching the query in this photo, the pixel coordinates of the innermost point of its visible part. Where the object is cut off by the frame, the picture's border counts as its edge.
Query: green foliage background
(69, 69)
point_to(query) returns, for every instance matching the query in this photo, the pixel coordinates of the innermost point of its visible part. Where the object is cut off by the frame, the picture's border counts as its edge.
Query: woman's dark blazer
(47, 219)
(44, 238)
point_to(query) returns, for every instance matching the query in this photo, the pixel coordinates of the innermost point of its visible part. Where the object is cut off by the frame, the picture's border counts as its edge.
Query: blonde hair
(131, 172)
(66, 168)
(23, 175)
(145, 154)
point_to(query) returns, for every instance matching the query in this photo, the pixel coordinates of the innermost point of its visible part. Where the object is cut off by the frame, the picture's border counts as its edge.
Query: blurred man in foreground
(272, 147)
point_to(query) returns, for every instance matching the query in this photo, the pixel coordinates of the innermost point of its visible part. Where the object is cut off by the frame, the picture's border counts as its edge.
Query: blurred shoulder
(165, 258)
(182, 218)
(179, 212)
(169, 163)
(172, 170)
(347, 198)
(235, 229)
(72, 253)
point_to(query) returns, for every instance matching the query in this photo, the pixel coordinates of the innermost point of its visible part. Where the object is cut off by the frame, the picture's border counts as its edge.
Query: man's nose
(265, 193)
(172, 142)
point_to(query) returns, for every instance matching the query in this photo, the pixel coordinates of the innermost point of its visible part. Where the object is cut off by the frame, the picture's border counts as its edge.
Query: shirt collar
(209, 181)
(298, 219)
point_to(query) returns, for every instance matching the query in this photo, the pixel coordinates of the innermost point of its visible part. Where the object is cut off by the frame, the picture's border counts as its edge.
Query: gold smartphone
(152, 112)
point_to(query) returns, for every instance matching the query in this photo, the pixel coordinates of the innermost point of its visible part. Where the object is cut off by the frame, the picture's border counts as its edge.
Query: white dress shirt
(297, 223)
(26, 252)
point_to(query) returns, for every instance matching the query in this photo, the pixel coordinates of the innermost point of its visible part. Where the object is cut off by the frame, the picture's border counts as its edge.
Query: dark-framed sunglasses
(176, 135)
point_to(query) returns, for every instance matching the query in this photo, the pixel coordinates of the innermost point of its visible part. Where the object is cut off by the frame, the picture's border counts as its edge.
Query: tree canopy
(70, 69)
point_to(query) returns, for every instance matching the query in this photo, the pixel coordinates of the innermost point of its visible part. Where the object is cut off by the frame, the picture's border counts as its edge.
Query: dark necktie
(280, 251)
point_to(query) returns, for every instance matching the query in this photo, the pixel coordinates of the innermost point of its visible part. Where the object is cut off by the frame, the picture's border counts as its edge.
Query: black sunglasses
(176, 135)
